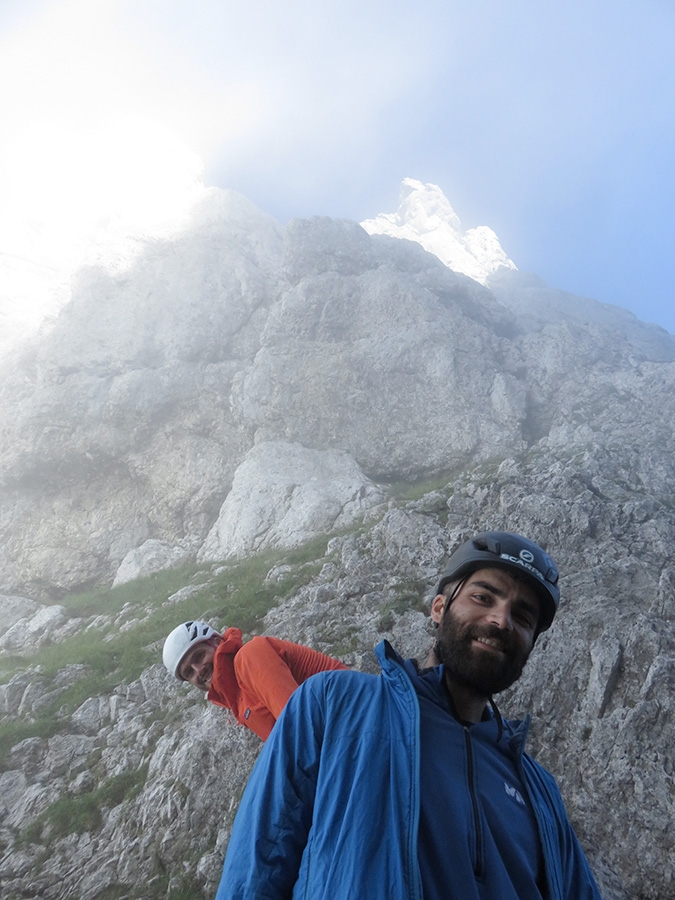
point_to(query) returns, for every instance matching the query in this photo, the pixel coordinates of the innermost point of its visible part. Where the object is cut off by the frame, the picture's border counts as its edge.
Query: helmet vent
(488, 543)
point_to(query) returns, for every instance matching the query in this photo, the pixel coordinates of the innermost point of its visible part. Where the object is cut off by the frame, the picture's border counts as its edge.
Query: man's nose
(500, 615)
(195, 671)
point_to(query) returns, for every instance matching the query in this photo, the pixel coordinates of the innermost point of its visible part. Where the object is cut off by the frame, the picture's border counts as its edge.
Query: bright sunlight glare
(126, 169)
(84, 196)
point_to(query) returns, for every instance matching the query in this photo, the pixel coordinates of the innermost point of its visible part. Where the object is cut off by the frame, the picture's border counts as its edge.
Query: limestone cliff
(247, 387)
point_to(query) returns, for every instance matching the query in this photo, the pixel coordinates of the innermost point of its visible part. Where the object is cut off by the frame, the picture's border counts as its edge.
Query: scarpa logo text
(519, 561)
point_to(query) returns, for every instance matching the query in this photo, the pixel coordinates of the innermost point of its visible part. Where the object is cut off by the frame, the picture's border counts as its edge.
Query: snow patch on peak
(425, 215)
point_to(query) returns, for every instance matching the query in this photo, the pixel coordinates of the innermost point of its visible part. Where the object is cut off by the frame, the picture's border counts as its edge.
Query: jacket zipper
(478, 830)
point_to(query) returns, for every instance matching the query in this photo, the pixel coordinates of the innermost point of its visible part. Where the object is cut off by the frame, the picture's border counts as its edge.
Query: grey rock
(283, 494)
(83, 783)
(14, 608)
(12, 693)
(90, 717)
(67, 754)
(29, 755)
(536, 305)
(34, 631)
(21, 800)
(152, 556)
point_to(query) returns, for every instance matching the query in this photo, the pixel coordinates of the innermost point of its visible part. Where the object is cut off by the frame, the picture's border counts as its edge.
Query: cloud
(549, 122)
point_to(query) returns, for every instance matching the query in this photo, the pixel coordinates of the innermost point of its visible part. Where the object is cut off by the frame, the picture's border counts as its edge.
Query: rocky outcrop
(283, 495)
(34, 631)
(118, 423)
(151, 556)
(14, 608)
(127, 421)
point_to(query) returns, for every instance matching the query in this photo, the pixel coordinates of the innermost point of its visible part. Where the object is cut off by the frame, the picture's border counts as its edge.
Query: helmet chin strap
(449, 600)
(458, 588)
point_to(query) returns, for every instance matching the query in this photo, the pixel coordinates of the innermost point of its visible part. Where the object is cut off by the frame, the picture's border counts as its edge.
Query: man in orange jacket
(253, 680)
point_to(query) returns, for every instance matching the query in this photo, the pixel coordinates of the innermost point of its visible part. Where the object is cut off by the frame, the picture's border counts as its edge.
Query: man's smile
(493, 644)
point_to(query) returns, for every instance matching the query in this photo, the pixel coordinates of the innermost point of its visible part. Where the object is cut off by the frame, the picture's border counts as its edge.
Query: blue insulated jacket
(333, 802)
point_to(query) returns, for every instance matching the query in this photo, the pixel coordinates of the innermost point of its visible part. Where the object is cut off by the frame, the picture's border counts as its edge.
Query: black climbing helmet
(501, 549)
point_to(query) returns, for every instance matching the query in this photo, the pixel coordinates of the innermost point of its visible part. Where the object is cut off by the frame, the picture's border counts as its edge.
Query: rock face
(151, 556)
(128, 420)
(283, 495)
(246, 387)
(14, 608)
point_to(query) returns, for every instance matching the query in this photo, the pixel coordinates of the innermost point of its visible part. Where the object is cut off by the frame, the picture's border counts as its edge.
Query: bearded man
(411, 786)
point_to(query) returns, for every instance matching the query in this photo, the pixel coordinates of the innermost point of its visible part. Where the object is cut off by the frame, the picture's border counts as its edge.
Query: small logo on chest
(513, 792)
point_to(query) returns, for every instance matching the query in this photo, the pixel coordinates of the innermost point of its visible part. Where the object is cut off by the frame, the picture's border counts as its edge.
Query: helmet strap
(458, 587)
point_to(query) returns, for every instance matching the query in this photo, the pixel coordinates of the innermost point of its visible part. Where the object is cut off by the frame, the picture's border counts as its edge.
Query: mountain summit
(425, 215)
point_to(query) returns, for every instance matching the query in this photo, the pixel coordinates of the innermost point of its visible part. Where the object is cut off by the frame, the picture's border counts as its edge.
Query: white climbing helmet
(181, 639)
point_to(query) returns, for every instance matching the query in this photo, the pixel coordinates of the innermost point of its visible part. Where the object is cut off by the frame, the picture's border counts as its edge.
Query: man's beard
(482, 670)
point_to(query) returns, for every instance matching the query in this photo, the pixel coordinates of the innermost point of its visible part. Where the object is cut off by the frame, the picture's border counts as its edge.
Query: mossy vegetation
(13, 731)
(79, 814)
(159, 887)
(409, 595)
(431, 493)
(133, 617)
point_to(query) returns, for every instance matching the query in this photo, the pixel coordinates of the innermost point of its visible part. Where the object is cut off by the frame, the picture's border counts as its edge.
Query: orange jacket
(255, 679)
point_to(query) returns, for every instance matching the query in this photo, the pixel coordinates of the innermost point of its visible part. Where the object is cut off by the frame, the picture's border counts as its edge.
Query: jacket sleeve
(272, 825)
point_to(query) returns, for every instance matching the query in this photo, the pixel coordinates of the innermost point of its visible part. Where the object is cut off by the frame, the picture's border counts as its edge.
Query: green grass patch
(77, 815)
(145, 591)
(407, 491)
(408, 595)
(237, 595)
(158, 888)
(12, 732)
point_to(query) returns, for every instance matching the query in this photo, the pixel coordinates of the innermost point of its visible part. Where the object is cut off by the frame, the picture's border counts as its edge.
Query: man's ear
(437, 607)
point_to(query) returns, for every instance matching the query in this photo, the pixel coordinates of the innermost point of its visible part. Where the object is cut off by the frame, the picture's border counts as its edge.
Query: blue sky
(554, 124)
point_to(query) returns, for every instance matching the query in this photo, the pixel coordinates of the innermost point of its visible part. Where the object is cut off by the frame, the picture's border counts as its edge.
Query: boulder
(283, 494)
(152, 556)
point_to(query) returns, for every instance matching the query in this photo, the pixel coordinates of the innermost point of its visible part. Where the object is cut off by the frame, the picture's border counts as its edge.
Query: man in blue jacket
(410, 786)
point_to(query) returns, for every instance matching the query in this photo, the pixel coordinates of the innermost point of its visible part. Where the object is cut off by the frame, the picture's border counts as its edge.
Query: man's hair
(450, 588)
